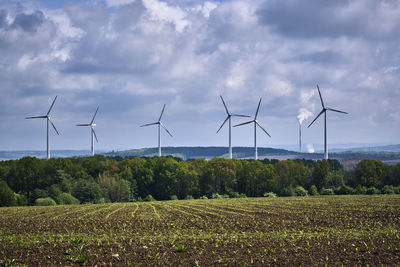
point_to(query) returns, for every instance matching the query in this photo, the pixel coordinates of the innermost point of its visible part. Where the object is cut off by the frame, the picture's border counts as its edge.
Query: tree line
(100, 179)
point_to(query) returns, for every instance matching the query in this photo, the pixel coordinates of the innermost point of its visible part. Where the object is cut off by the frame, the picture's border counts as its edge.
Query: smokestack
(299, 137)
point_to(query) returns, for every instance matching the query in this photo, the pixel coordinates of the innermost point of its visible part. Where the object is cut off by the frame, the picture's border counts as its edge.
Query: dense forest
(100, 179)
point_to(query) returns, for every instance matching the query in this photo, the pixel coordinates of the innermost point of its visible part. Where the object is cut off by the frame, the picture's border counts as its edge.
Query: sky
(130, 57)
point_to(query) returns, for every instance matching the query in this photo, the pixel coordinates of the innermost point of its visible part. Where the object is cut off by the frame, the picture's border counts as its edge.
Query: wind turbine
(160, 124)
(324, 109)
(47, 117)
(92, 125)
(228, 118)
(256, 123)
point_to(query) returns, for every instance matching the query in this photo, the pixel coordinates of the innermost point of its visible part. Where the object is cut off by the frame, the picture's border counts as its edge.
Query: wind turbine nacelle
(93, 124)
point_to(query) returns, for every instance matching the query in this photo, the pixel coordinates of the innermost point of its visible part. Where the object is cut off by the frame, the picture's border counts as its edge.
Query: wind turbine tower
(47, 117)
(256, 123)
(324, 109)
(160, 124)
(228, 118)
(299, 137)
(93, 133)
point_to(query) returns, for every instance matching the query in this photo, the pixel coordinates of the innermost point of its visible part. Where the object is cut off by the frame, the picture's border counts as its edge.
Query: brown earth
(332, 230)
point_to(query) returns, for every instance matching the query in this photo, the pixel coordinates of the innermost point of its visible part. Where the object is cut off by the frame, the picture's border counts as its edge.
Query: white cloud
(161, 11)
(277, 86)
(206, 8)
(117, 3)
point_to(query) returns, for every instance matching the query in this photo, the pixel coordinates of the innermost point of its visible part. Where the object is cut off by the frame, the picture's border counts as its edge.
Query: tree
(87, 191)
(394, 176)
(142, 172)
(116, 190)
(266, 180)
(283, 175)
(249, 178)
(320, 174)
(336, 178)
(187, 181)
(223, 175)
(370, 173)
(7, 197)
(201, 167)
(165, 178)
(28, 174)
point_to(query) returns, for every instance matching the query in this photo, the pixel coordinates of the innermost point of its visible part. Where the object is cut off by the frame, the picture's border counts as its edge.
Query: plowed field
(333, 230)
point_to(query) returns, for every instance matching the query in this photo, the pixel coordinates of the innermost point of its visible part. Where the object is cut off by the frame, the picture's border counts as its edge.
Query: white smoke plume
(310, 148)
(303, 114)
(306, 96)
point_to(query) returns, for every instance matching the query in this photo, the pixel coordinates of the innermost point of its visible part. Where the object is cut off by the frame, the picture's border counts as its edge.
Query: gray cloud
(28, 22)
(364, 19)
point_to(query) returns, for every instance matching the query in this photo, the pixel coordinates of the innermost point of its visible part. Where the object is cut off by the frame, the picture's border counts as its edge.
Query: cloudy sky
(132, 56)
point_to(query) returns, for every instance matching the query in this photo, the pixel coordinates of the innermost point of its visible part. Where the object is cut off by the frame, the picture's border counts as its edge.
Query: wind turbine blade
(335, 110)
(83, 125)
(165, 128)
(95, 136)
(243, 123)
(161, 113)
(316, 118)
(148, 124)
(238, 115)
(54, 127)
(36, 117)
(320, 96)
(94, 116)
(223, 124)
(263, 129)
(259, 103)
(223, 102)
(52, 104)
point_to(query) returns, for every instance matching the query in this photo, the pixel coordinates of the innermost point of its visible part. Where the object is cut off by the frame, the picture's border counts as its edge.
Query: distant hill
(388, 148)
(201, 152)
(248, 152)
(388, 154)
(17, 154)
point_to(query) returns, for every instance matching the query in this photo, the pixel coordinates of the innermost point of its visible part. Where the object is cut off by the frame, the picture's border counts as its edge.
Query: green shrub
(242, 195)
(46, 201)
(101, 200)
(149, 198)
(287, 191)
(396, 189)
(360, 190)
(66, 199)
(300, 191)
(373, 191)
(204, 197)
(174, 197)
(269, 194)
(344, 190)
(216, 196)
(327, 191)
(189, 197)
(388, 190)
(313, 191)
(7, 197)
(21, 200)
(39, 193)
(235, 195)
(225, 196)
